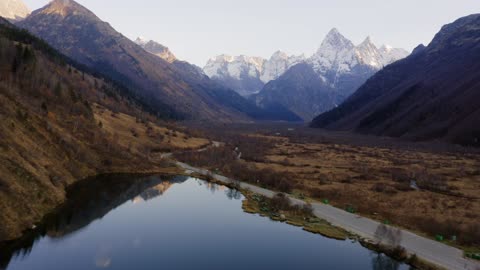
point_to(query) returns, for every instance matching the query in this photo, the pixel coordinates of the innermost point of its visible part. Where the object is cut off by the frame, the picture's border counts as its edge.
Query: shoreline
(419, 260)
(421, 251)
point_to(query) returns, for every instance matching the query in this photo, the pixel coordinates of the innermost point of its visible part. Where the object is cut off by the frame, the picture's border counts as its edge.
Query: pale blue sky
(196, 30)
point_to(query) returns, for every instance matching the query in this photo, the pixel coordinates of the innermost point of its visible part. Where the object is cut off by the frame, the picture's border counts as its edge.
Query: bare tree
(388, 235)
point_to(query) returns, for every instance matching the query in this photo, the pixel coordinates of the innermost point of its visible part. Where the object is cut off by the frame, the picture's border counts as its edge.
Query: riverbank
(424, 249)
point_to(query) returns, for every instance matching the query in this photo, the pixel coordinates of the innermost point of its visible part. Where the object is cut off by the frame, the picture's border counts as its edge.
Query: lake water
(127, 222)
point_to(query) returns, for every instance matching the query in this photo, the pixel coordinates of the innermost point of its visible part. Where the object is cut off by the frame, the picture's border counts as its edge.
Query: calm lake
(126, 222)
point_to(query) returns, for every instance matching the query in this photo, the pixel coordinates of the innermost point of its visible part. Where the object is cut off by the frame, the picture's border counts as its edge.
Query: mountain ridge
(428, 95)
(339, 64)
(81, 35)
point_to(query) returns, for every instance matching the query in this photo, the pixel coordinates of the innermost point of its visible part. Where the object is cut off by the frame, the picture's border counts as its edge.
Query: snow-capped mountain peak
(156, 49)
(336, 41)
(367, 53)
(141, 41)
(13, 9)
(278, 63)
(391, 54)
(339, 54)
(335, 53)
(255, 71)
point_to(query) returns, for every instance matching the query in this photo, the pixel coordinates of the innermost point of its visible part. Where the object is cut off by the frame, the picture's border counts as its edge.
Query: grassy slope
(51, 137)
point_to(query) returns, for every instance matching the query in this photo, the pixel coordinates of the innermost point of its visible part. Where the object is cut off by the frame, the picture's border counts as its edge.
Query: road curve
(429, 250)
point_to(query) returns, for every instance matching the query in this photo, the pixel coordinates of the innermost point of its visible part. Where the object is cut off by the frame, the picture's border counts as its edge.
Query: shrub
(280, 202)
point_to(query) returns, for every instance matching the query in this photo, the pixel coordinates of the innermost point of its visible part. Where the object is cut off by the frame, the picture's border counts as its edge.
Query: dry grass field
(429, 192)
(142, 136)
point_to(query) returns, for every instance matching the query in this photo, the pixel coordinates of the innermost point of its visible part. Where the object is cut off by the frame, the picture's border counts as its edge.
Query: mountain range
(247, 75)
(283, 87)
(170, 88)
(432, 94)
(13, 10)
(305, 86)
(328, 77)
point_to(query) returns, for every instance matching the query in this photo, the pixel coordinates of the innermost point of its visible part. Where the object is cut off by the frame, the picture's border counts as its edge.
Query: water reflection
(382, 262)
(174, 223)
(87, 201)
(233, 194)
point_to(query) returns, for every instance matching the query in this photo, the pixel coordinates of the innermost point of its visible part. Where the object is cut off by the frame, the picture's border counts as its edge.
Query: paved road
(432, 251)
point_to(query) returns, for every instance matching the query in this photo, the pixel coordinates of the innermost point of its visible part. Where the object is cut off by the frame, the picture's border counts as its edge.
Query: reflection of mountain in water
(87, 201)
(153, 192)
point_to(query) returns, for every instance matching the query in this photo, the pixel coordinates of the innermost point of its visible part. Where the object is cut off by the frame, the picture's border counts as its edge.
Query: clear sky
(196, 30)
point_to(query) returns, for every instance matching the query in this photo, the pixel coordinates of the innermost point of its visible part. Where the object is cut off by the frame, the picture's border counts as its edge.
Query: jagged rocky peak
(368, 54)
(157, 49)
(335, 53)
(14, 10)
(335, 40)
(341, 55)
(278, 63)
(64, 8)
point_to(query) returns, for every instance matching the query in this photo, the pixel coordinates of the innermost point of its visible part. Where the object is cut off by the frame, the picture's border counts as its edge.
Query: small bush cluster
(280, 202)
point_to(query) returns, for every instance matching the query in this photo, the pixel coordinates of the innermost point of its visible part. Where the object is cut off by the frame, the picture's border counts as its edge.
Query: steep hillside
(433, 94)
(341, 67)
(308, 87)
(81, 35)
(60, 124)
(216, 89)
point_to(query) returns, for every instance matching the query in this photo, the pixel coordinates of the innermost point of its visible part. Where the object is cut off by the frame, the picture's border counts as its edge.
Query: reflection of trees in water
(388, 235)
(212, 187)
(87, 200)
(233, 194)
(383, 262)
